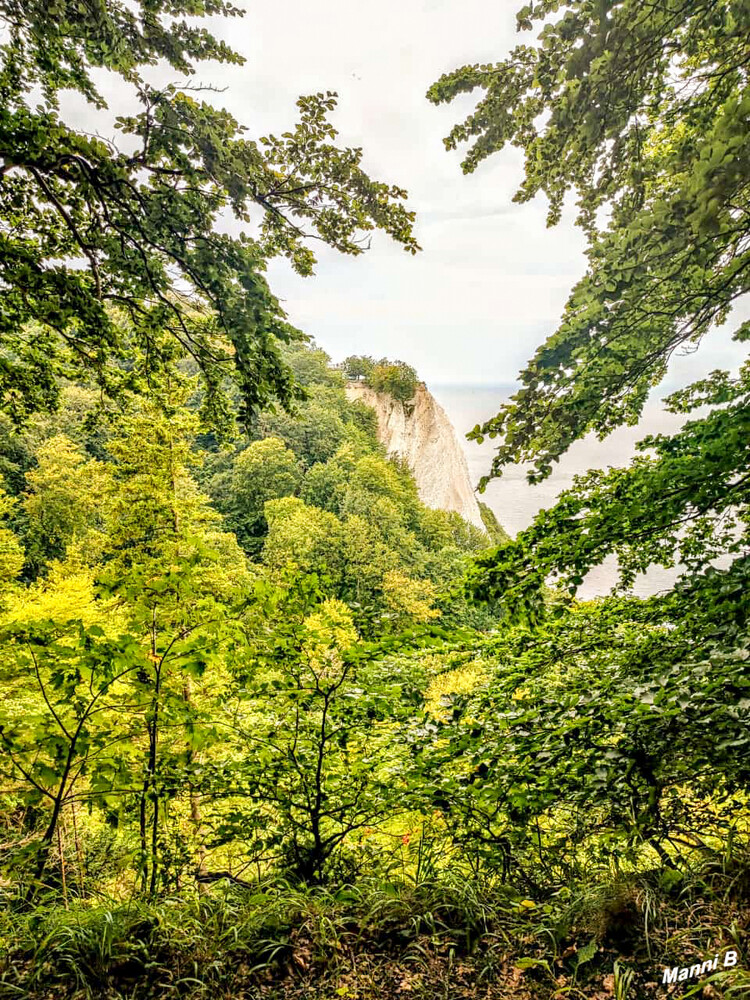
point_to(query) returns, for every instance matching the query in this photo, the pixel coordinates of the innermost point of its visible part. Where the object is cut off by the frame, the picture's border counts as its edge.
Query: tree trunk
(196, 817)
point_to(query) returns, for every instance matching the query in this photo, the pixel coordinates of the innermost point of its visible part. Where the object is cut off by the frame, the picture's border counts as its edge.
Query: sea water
(515, 502)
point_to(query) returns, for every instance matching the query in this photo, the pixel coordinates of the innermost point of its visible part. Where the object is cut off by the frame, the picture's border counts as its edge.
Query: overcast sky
(491, 280)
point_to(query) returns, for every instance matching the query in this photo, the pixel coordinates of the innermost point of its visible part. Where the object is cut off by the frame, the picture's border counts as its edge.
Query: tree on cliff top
(642, 110)
(103, 251)
(358, 366)
(394, 378)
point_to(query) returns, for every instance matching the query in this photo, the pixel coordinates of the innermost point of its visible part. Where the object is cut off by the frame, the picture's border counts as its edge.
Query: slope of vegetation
(257, 739)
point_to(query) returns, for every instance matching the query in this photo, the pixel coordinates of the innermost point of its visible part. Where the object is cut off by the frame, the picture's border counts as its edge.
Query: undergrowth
(453, 938)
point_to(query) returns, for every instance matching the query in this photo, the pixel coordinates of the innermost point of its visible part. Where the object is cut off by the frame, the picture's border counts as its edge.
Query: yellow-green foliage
(408, 599)
(463, 679)
(65, 595)
(11, 551)
(66, 502)
(328, 632)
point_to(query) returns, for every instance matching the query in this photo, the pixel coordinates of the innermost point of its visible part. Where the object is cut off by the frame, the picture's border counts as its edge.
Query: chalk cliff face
(420, 433)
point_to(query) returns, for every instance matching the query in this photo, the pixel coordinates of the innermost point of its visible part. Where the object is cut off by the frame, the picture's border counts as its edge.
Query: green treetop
(104, 249)
(394, 378)
(358, 366)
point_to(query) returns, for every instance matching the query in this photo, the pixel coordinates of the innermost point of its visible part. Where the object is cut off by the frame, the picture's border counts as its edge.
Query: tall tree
(177, 577)
(641, 110)
(265, 470)
(60, 512)
(101, 249)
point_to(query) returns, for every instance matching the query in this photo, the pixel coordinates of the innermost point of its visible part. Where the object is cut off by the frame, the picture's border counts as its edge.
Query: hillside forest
(270, 726)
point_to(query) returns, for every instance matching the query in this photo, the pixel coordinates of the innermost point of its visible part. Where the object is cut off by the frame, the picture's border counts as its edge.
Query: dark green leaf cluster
(608, 730)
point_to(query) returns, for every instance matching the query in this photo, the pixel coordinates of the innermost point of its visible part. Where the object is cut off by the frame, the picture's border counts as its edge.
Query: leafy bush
(394, 378)
(358, 366)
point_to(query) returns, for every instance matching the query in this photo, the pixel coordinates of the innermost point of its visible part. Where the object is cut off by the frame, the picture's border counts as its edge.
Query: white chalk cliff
(421, 433)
